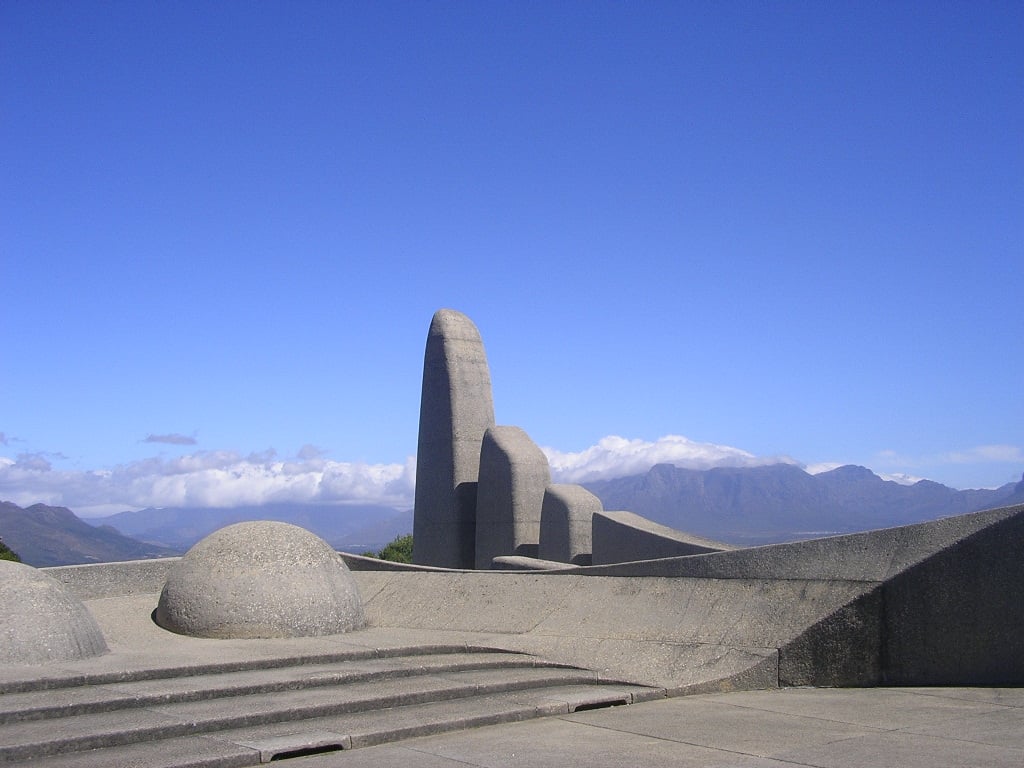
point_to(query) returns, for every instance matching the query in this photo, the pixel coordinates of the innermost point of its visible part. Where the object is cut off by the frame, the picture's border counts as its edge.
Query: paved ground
(830, 728)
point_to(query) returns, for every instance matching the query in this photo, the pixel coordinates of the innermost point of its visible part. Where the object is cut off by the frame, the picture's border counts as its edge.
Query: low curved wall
(619, 537)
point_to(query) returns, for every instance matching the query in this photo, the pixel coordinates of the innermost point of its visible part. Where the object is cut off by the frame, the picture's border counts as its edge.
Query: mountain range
(781, 502)
(343, 526)
(743, 506)
(43, 535)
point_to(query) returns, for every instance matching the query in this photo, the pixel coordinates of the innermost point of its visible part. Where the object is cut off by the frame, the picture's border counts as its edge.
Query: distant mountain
(43, 536)
(1016, 495)
(340, 525)
(758, 505)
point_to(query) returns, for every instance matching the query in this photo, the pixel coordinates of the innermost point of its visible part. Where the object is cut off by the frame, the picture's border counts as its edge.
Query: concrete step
(26, 679)
(70, 700)
(121, 715)
(278, 741)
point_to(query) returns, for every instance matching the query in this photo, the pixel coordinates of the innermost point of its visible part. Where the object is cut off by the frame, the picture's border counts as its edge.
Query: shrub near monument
(399, 550)
(6, 553)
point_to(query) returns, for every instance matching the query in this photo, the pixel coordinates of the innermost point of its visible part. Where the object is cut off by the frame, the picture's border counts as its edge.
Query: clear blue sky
(793, 229)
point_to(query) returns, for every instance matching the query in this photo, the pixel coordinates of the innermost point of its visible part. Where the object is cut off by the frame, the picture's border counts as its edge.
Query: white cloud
(170, 439)
(900, 477)
(227, 478)
(615, 456)
(822, 466)
(984, 454)
(981, 466)
(206, 479)
(979, 454)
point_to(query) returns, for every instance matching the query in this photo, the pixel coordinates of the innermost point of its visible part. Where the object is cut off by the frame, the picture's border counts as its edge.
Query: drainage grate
(599, 705)
(321, 749)
(297, 745)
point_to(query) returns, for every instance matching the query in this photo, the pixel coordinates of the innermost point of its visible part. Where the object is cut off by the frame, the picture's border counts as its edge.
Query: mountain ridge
(776, 502)
(43, 535)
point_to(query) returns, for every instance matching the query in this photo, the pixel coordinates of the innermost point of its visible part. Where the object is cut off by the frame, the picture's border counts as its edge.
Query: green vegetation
(398, 551)
(6, 553)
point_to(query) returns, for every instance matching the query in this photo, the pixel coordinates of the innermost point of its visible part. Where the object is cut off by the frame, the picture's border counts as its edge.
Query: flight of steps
(245, 714)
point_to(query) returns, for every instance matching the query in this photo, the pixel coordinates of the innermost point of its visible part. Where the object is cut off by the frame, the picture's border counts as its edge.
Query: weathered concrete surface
(957, 617)
(456, 408)
(851, 728)
(869, 556)
(942, 606)
(41, 621)
(565, 523)
(620, 537)
(259, 580)
(130, 577)
(933, 603)
(520, 563)
(680, 634)
(513, 475)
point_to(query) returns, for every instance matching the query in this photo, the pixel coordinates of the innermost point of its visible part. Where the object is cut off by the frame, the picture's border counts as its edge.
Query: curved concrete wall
(934, 603)
(957, 617)
(620, 537)
(869, 556)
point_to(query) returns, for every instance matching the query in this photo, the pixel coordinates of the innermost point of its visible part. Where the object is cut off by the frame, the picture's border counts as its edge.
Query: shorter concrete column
(513, 475)
(565, 523)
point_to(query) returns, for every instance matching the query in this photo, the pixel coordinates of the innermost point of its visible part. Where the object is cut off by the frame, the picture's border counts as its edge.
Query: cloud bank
(206, 479)
(171, 439)
(615, 456)
(230, 479)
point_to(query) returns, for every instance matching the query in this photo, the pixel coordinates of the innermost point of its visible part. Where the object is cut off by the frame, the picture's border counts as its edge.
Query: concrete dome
(41, 621)
(260, 579)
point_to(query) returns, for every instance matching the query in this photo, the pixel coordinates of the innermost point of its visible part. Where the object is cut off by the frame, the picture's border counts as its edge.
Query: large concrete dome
(260, 579)
(41, 621)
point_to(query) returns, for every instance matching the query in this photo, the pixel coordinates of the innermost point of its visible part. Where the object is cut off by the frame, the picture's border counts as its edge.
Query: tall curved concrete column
(513, 475)
(456, 408)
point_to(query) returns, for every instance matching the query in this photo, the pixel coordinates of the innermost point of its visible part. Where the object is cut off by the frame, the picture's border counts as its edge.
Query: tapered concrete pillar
(513, 475)
(456, 408)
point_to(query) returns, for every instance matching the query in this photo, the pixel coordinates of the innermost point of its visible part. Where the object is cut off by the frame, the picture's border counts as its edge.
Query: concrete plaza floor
(827, 728)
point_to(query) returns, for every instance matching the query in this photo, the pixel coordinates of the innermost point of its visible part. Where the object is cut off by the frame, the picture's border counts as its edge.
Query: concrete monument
(455, 410)
(565, 523)
(438, 650)
(513, 475)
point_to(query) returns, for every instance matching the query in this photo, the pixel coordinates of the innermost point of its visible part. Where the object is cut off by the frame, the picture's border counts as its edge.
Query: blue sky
(773, 229)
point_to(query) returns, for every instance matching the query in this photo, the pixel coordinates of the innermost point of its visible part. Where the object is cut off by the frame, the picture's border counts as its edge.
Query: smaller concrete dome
(260, 579)
(41, 621)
